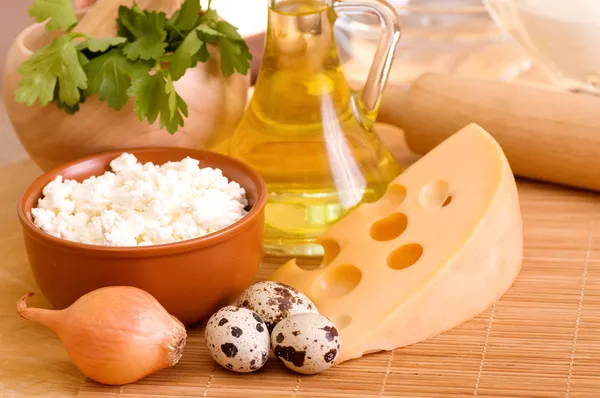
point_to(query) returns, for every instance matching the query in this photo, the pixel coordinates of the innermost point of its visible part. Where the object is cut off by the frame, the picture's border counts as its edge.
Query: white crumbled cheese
(141, 204)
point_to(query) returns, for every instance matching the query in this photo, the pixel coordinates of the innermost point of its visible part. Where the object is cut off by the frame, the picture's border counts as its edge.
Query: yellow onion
(114, 335)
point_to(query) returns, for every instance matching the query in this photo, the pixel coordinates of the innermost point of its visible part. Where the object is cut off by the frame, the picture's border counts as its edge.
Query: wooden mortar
(52, 137)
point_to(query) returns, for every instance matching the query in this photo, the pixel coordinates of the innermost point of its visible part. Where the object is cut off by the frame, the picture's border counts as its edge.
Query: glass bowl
(448, 36)
(562, 37)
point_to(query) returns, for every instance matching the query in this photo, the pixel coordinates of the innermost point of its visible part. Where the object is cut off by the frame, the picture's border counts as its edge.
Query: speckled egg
(238, 339)
(274, 301)
(306, 343)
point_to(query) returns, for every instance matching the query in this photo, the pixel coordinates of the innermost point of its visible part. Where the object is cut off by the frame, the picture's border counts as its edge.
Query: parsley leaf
(228, 30)
(187, 55)
(155, 96)
(235, 55)
(110, 76)
(59, 13)
(177, 105)
(126, 18)
(82, 58)
(186, 18)
(145, 32)
(100, 45)
(71, 110)
(210, 16)
(206, 29)
(203, 55)
(58, 62)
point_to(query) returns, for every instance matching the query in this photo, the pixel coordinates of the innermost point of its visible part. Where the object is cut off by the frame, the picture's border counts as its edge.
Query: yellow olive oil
(305, 133)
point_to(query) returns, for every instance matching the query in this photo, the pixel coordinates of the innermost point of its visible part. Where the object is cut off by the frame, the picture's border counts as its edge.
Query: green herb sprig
(149, 54)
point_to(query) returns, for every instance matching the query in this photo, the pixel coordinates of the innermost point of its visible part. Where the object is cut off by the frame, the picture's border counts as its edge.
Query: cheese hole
(331, 249)
(342, 321)
(338, 282)
(447, 201)
(405, 256)
(391, 200)
(389, 228)
(434, 194)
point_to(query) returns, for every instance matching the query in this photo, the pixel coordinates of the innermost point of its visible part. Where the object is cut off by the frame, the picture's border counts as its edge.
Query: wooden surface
(541, 340)
(32, 360)
(215, 106)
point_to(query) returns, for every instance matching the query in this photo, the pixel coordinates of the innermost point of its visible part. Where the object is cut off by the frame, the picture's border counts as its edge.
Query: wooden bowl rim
(227, 233)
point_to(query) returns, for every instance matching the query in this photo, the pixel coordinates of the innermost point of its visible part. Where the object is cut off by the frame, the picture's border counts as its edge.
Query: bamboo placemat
(542, 339)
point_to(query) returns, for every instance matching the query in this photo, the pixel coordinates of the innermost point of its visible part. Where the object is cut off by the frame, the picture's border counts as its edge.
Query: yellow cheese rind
(455, 214)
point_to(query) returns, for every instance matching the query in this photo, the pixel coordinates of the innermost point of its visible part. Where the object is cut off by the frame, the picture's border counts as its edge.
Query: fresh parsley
(186, 18)
(145, 32)
(110, 76)
(156, 96)
(150, 53)
(100, 45)
(186, 56)
(57, 63)
(234, 56)
(60, 14)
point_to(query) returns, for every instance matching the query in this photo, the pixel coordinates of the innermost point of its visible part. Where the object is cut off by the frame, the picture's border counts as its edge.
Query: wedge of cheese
(441, 246)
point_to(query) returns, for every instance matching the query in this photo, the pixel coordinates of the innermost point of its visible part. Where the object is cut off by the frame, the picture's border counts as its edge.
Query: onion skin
(114, 335)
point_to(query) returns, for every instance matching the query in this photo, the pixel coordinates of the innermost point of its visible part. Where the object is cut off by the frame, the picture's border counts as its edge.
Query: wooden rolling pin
(547, 135)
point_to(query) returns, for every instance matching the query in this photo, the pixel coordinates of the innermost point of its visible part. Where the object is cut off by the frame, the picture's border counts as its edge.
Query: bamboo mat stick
(542, 339)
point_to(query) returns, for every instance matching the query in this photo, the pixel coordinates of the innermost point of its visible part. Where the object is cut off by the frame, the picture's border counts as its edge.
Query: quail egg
(306, 343)
(238, 339)
(274, 301)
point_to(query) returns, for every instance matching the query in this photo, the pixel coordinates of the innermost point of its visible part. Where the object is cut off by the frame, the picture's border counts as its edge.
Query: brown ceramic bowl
(191, 279)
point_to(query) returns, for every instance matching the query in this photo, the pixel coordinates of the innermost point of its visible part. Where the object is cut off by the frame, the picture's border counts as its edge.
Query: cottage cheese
(140, 204)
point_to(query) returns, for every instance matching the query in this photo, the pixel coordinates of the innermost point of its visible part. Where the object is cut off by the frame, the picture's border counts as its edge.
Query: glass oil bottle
(307, 133)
